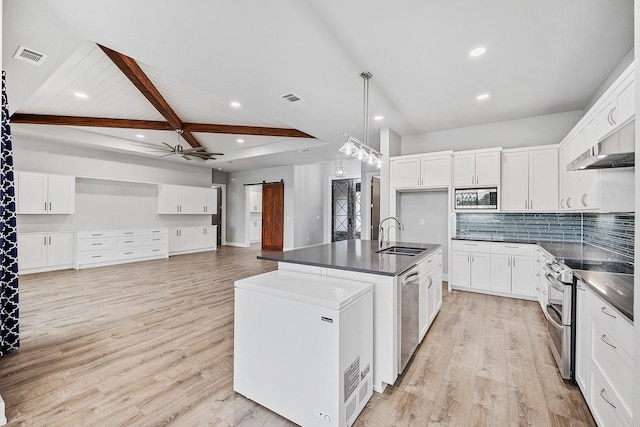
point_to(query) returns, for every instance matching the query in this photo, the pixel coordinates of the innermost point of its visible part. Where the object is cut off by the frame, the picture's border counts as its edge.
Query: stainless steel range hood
(615, 151)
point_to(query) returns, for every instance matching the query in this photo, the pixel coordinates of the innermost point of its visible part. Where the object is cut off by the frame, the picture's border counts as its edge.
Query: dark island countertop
(353, 255)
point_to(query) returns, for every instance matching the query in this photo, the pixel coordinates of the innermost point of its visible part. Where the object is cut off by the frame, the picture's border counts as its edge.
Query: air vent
(292, 97)
(30, 56)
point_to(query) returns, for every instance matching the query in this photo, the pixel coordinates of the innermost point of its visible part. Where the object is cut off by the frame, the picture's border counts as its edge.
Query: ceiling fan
(186, 153)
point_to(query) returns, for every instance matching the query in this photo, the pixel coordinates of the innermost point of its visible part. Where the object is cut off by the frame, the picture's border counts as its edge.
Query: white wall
(432, 207)
(308, 205)
(124, 195)
(236, 201)
(390, 145)
(530, 131)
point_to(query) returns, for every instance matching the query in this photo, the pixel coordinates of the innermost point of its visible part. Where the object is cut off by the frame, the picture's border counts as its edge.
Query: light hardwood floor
(151, 344)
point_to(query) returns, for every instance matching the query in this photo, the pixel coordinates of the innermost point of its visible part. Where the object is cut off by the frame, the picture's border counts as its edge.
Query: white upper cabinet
(530, 180)
(178, 199)
(425, 171)
(617, 108)
(255, 201)
(42, 193)
(476, 169)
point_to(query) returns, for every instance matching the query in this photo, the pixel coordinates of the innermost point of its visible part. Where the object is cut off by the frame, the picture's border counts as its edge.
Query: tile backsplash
(610, 231)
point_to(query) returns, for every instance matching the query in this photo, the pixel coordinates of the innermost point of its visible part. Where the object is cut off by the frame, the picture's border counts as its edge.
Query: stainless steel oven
(560, 313)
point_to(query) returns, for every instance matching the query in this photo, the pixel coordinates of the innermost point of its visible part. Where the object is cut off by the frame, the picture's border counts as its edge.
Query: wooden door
(272, 216)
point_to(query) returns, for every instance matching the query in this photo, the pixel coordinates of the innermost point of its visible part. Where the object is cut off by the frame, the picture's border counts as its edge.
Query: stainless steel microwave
(476, 198)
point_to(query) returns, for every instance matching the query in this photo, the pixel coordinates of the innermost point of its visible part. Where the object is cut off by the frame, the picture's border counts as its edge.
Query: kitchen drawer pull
(128, 241)
(511, 247)
(606, 400)
(471, 244)
(581, 288)
(429, 260)
(96, 256)
(410, 278)
(606, 341)
(96, 235)
(128, 253)
(128, 232)
(604, 310)
(155, 240)
(96, 244)
(156, 250)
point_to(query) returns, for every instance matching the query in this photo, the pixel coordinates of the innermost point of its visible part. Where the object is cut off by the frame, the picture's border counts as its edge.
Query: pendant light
(361, 149)
(341, 171)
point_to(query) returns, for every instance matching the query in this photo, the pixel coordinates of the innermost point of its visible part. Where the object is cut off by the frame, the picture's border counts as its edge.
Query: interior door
(272, 216)
(345, 206)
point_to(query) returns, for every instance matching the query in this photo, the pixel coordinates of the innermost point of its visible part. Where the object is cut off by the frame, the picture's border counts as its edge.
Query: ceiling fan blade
(195, 149)
(166, 155)
(171, 147)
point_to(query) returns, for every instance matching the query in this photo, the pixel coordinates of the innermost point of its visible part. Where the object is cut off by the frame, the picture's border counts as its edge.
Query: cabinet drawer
(430, 263)
(95, 244)
(512, 249)
(94, 234)
(128, 253)
(154, 250)
(471, 246)
(95, 256)
(613, 324)
(128, 242)
(160, 239)
(606, 407)
(615, 365)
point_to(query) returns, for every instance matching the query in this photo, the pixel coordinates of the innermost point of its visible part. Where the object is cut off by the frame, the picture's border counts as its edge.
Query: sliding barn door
(272, 216)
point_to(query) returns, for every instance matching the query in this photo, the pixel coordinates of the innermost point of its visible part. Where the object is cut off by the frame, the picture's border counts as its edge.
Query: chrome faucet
(381, 230)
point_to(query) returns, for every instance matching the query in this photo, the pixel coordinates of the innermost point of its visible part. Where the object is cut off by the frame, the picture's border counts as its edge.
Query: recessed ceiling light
(219, 169)
(240, 140)
(378, 118)
(478, 51)
(139, 135)
(234, 104)
(81, 95)
(482, 96)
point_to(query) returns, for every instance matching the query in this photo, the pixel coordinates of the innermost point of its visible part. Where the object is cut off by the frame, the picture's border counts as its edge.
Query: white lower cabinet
(106, 247)
(494, 268)
(430, 291)
(471, 264)
(38, 252)
(540, 281)
(512, 269)
(183, 240)
(604, 362)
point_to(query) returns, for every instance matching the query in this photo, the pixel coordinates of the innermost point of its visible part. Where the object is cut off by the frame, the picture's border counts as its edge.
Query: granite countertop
(353, 255)
(615, 288)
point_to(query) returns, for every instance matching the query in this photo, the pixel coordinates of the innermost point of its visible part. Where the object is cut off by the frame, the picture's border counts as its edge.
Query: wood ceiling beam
(141, 81)
(43, 119)
(245, 130)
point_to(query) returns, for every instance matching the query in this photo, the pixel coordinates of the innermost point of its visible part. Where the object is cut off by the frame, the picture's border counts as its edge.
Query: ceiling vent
(292, 97)
(30, 56)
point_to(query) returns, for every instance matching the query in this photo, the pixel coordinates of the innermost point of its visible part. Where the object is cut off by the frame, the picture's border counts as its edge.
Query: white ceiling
(543, 57)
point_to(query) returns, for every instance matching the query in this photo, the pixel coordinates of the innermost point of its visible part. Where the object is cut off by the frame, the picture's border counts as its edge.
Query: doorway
(345, 209)
(219, 218)
(375, 206)
(273, 216)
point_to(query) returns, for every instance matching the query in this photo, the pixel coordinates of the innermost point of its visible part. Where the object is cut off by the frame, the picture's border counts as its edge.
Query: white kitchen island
(359, 260)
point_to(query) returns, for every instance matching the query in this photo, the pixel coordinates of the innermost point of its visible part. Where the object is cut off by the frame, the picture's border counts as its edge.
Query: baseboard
(3, 419)
(238, 244)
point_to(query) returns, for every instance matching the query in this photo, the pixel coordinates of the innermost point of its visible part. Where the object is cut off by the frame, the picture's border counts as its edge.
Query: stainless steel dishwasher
(408, 313)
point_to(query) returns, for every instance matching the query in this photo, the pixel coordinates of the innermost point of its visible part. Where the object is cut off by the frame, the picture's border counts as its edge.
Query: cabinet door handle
(473, 179)
(477, 179)
(468, 257)
(49, 240)
(514, 261)
(508, 261)
(430, 282)
(526, 204)
(605, 399)
(613, 116)
(473, 258)
(49, 206)
(604, 310)
(605, 340)
(581, 288)
(45, 240)
(45, 206)
(584, 197)
(562, 203)
(530, 204)
(569, 202)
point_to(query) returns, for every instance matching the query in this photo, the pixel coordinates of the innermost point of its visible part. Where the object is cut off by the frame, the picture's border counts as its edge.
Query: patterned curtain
(9, 331)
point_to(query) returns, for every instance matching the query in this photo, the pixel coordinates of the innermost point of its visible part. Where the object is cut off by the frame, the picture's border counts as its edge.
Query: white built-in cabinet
(617, 107)
(431, 170)
(530, 180)
(512, 269)
(493, 268)
(95, 248)
(602, 190)
(38, 252)
(541, 270)
(43, 193)
(179, 199)
(430, 291)
(604, 359)
(476, 168)
(190, 239)
(470, 264)
(255, 201)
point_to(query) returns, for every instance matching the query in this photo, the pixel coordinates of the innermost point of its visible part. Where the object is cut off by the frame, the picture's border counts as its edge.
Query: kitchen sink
(400, 250)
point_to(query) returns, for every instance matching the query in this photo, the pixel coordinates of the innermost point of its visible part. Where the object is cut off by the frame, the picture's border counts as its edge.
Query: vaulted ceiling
(542, 57)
